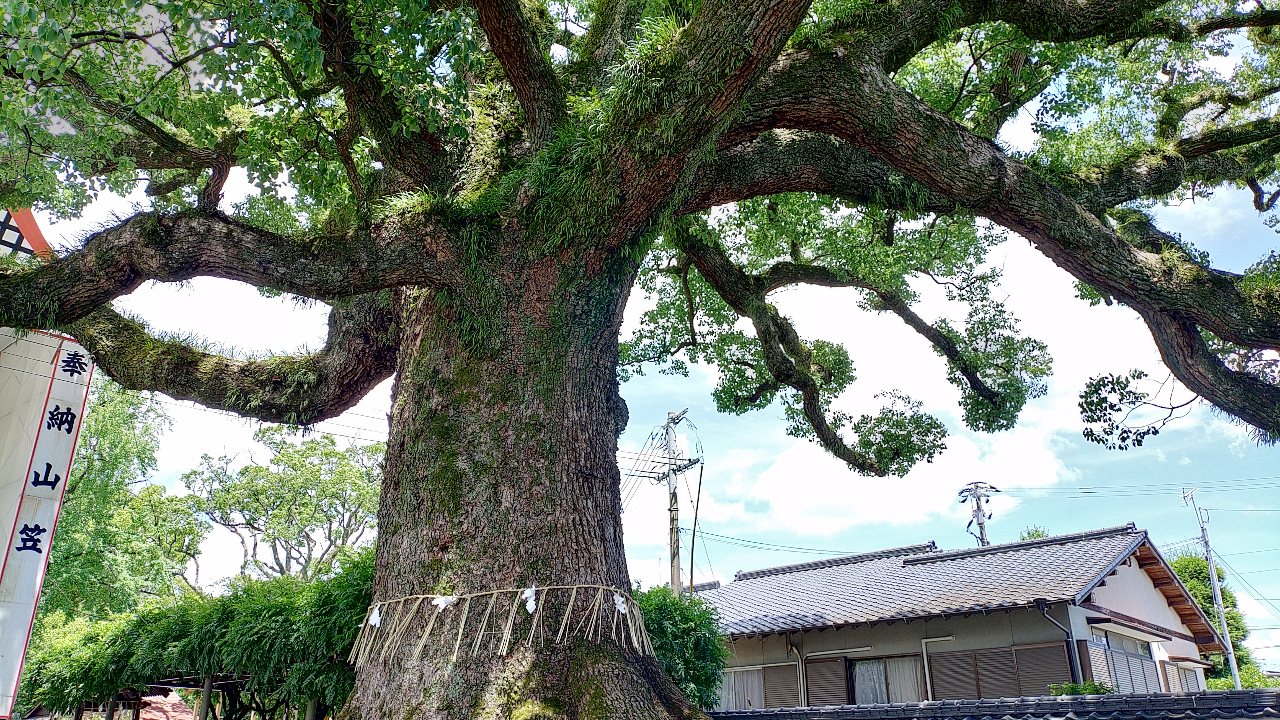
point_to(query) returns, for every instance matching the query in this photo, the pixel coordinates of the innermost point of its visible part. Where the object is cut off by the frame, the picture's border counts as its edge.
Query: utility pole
(1189, 498)
(675, 466)
(978, 493)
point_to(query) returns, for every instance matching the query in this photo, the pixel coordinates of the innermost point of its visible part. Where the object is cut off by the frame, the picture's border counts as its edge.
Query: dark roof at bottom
(1157, 706)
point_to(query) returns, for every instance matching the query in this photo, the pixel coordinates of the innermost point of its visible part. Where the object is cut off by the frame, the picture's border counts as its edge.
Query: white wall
(1130, 592)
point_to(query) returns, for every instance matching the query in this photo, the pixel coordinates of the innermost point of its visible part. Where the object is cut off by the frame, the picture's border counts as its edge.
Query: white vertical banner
(44, 386)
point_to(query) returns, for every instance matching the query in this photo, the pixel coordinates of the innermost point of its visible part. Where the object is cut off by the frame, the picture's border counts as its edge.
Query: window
(1127, 664)
(864, 681)
(767, 687)
(741, 690)
(869, 683)
(1022, 670)
(1190, 680)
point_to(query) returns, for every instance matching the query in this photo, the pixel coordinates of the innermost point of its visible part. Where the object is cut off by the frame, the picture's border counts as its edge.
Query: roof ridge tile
(920, 548)
(1023, 544)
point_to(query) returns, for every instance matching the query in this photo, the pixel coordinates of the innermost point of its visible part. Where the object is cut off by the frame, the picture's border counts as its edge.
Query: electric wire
(1250, 552)
(1248, 587)
(761, 545)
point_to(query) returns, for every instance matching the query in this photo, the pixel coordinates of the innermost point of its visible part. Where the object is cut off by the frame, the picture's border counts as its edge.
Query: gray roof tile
(917, 581)
(1163, 706)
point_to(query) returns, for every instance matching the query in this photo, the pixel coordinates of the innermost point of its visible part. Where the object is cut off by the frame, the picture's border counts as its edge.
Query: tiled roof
(1159, 706)
(917, 581)
(836, 562)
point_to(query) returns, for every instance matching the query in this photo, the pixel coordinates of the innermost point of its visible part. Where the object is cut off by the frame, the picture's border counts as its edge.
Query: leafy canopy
(296, 513)
(120, 541)
(849, 144)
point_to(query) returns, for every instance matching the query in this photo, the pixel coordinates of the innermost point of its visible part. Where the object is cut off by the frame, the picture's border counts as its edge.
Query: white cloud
(807, 492)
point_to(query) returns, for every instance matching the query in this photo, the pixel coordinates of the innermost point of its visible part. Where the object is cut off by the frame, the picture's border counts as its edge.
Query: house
(1220, 705)
(915, 623)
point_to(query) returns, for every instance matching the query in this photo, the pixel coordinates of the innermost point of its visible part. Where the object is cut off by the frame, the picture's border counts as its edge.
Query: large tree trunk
(501, 473)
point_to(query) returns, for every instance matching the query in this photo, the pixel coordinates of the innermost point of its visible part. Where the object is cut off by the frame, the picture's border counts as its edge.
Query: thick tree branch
(789, 161)
(710, 65)
(1185, 351)
(1261, 17)
(672, 102)
(905, 28)
(515, 43)
(128, 115)
(782, 274)
(1262, 200)
(1176, 110)
(1157, 173)
(864, 107)
(170, 248)
(359, 353)
(1229, 137)
(728, 45)
(420, 155)
(1064, 20)
(945, 346)
(612, 28)
(784, 353)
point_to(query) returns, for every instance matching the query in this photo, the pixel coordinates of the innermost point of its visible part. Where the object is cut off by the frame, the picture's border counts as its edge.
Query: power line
(1250, 589)
(761, 545)
(1112, 486)
(188, 405)
(1073, 493)
(1250, 552)
(1219, 485)
(201, 408)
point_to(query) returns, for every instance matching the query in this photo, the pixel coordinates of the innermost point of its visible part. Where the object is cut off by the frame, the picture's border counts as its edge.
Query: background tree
(474, 188)
(120, 541)
(1033, 532)
(1193, 571)
(685, 632)
(294, 514)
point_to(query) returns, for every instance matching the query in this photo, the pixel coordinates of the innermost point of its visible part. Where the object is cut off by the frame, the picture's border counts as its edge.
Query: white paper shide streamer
(490, 622)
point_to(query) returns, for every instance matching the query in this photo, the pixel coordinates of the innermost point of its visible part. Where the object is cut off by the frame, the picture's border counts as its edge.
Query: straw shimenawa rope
(387, 623)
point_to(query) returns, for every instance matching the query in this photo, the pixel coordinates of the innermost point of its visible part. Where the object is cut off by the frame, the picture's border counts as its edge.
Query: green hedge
(290, 637)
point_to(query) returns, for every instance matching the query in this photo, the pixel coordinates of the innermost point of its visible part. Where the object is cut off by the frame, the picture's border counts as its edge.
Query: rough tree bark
(501, 473)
